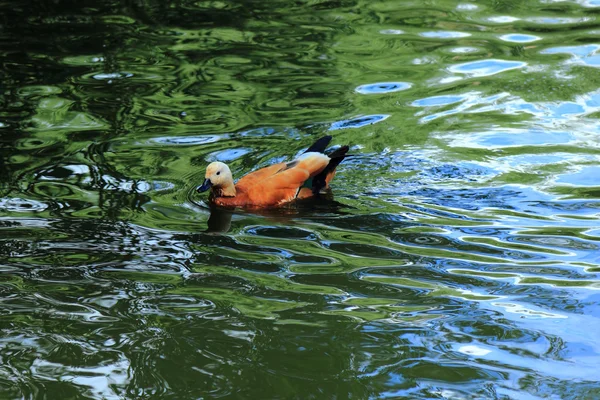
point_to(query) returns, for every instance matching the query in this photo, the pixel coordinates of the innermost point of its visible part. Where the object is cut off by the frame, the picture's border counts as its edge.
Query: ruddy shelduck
(277, 184)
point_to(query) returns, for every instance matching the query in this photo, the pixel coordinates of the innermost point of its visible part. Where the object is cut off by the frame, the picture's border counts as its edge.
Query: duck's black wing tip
(320, 145)
(336, 156)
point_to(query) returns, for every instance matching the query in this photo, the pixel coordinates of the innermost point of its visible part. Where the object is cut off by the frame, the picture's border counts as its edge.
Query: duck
(307, 176)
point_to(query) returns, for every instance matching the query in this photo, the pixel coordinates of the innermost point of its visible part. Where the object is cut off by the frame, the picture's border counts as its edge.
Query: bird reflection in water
(220, 218)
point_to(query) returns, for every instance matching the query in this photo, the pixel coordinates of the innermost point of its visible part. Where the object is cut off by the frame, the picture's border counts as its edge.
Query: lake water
(458, 258)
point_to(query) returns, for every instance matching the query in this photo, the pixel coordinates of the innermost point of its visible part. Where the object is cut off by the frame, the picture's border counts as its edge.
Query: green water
(458, 259)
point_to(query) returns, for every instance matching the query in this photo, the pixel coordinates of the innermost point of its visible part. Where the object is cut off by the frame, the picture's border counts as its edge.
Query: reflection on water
(456, 257)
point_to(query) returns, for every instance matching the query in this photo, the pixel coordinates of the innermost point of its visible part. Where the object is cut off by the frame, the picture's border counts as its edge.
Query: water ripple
(383, 87)
(520, 38)
(456, 255)
(358, 122)
(486, 67)
(445, 34)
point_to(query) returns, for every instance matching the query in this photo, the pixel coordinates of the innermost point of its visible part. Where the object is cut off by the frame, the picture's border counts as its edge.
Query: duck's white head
(218, 177)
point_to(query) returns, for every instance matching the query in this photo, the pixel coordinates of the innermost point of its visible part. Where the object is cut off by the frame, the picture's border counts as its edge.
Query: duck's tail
(322, 180)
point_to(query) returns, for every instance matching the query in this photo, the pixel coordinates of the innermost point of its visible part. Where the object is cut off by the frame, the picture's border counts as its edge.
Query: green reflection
(461, 229)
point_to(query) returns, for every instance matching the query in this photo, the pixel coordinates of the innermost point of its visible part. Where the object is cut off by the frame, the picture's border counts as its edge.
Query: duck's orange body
(277, 184)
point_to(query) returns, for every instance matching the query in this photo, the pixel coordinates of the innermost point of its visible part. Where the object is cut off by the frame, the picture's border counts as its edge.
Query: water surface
(459, 257)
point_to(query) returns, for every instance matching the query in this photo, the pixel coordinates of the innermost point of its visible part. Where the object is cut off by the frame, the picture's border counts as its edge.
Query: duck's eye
(219, 173)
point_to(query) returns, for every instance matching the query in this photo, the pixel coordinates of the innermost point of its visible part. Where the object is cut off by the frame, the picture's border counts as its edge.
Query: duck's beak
(205, 186)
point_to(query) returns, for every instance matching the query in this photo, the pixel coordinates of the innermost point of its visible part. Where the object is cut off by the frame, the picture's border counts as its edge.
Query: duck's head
(218, 176)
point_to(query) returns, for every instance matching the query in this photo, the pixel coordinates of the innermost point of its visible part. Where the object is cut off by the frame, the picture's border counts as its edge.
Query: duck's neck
(225, 191)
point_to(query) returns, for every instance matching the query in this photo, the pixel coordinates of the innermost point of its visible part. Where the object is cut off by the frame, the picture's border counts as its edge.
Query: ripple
(34, 143)
(61, 172)
(559, 20)
(514, 138)
(112, 75)
(188, 140)
(527, 312)
(582, 55)
(519, 38)
(78, 169)
(577, 51)
(99, 380)
(16, 204)
(532, 160)
(465, 50)
(589, 3)
(587, 176)
(456, 255)
(83, 60)
(444, 34)
(438, 101)
(358, 122)
(473, 350)
(228, 154)
(391, 32)
(559, 283)
(383, 87)
(503, 19)
(467, 7)
(467, 102)
(39, 90)
(486, 67)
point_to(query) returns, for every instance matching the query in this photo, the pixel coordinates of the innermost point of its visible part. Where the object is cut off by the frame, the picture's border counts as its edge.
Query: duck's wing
(313, 162)
(260, 175)
(320, 145)
(285, 185)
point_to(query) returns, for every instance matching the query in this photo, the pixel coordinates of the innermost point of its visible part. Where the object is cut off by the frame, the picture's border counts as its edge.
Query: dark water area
(458, 258)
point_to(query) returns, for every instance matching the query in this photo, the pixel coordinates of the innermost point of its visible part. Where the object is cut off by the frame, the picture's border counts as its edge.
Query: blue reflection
(437, 101)
(593, 101)
(383, 87)
(258, 132)
(511, 197)
(581, 51)
(229, 154)
(486, 67)
(187, 140)
(585, 54)
(444, 34)
(519, 38)
(593, 61)
(526, 107)
(524, 138)
(546, 112)
(461, 171)
(358, 122)
(588, 176)
(568, 108)
(533, 159)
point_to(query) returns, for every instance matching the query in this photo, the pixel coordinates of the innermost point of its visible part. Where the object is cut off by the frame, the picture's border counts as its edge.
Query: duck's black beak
(205, 186)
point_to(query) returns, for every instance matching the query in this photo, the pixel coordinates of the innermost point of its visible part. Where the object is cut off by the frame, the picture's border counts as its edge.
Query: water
(458, 259)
